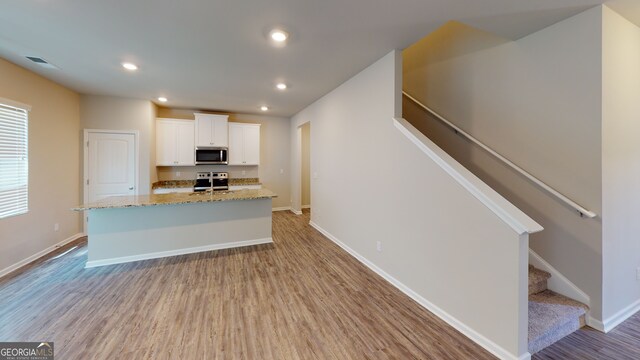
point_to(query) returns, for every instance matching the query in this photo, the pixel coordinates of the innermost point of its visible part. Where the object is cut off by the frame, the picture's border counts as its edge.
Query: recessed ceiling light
(129, 66)
(264, 108)
(281, 86)
(278, 35)
(162, 99)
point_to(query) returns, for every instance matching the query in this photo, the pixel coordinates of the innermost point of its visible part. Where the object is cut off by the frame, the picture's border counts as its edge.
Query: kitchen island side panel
(117, 235)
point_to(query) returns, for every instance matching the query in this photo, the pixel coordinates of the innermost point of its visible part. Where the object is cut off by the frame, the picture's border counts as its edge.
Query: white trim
(15, 104)
(558, 282)
(476, 337)
(525, 356)
(297, 212)
(306, 206)
(511, 215)
(281, 208)
(40, 254)
(581, 210)
(161, 254)
(85, 191)
(595, 324)
(616, 319)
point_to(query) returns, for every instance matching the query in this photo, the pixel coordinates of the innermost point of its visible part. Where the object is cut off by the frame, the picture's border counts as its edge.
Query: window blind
(14, 161)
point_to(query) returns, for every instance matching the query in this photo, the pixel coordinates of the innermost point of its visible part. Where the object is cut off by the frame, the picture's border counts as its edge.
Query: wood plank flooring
(621, 343)
(300, 298)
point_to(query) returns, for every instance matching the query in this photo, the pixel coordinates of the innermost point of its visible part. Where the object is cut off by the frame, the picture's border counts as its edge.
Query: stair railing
(581, 210)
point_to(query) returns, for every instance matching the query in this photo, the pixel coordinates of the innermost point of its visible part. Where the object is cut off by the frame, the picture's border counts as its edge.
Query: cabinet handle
(131, 188)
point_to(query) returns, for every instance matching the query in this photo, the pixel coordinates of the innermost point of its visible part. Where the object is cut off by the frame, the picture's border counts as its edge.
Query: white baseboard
(161, 254)
(306, 206)
(281, 208)
(525, 356)
(594, 323)
(297, 212)
(615, 320)
(479, 339)
(40, 254)
(558, 282)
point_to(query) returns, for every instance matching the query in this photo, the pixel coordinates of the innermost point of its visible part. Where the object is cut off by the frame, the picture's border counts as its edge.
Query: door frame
(85, 176)
(296, 169)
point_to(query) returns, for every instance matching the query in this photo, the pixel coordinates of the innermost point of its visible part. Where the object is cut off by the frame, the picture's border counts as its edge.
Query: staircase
(551, 315)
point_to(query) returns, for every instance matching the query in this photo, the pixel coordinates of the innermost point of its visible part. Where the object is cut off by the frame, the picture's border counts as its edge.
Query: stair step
(537, 280)
(552, 317)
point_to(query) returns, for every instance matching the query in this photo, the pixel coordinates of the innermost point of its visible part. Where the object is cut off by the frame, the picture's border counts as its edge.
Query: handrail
(581, 210)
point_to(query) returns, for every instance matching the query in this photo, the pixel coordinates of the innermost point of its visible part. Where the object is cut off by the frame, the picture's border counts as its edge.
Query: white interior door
(111, 165)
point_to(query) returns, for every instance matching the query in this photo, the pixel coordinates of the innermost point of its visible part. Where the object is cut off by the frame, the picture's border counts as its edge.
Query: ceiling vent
(42, 62)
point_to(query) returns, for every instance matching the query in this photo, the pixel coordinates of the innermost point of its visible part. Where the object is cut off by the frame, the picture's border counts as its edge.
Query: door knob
(131, 188)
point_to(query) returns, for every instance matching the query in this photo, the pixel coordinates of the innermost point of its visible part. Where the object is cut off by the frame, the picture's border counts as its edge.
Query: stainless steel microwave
(212, 155)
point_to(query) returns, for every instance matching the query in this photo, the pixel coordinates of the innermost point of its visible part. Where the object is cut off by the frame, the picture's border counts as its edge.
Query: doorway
(110, 164)
(305, 166)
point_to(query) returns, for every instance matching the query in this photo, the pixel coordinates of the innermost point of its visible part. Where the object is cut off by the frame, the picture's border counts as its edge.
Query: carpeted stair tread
(552, 317)
(537, 280)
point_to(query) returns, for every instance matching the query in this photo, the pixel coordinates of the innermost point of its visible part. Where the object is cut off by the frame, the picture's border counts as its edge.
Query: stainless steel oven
(212, 155)
(208, 181)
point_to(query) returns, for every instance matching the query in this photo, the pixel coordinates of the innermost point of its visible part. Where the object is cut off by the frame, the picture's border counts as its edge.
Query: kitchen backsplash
(189, 172)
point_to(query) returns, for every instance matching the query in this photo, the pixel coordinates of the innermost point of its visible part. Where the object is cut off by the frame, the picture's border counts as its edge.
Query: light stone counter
(177, 184)
(176, 198)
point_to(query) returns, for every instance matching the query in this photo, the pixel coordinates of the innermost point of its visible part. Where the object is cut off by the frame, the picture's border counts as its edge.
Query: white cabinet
(212, 130)
(244, 187)
(174, 142)
(244, 144)
(172, 190)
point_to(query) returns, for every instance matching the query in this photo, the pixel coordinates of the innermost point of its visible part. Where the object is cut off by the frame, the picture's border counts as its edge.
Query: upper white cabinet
(244, 144)
(174, 142)
(212, 130)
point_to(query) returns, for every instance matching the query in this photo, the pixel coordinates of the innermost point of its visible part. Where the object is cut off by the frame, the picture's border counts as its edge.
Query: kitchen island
(131, 228)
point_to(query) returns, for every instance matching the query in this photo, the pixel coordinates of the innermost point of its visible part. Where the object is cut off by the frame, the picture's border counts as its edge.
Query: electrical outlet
(315, 175)
(178, 174)
(281, 171)
(56, 227)
(379, 246)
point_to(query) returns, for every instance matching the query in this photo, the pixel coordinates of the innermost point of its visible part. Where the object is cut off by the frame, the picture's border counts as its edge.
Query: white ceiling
(213, 54)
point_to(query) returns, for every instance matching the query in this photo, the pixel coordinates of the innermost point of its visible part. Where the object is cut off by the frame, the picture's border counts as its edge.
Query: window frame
(8, 104)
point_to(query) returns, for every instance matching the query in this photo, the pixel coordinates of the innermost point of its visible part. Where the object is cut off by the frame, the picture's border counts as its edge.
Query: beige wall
(116, 113)
(274, 154)
(536, 101)
(306, 164)
(54, 175)
(620, 164)
(437, 239)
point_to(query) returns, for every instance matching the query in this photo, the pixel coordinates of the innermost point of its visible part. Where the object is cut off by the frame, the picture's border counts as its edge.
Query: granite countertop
(176, 198)
(173, 184)
(244, 181)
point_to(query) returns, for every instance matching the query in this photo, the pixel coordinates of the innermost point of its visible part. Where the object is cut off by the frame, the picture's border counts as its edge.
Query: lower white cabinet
(172, 190)
(244, 144)
(175, 142)
(244, 187)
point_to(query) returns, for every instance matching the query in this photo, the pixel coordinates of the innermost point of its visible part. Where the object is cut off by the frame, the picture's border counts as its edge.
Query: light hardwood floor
(300, 298)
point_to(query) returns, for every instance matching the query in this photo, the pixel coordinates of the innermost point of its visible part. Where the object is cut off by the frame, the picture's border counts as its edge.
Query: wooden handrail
(581, 210)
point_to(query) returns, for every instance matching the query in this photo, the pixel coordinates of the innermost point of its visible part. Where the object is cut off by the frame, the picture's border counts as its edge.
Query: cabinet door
(220, 135)
(185, 148)
(251, 145)
(236, 146)
(165, 143)
(204, 131)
